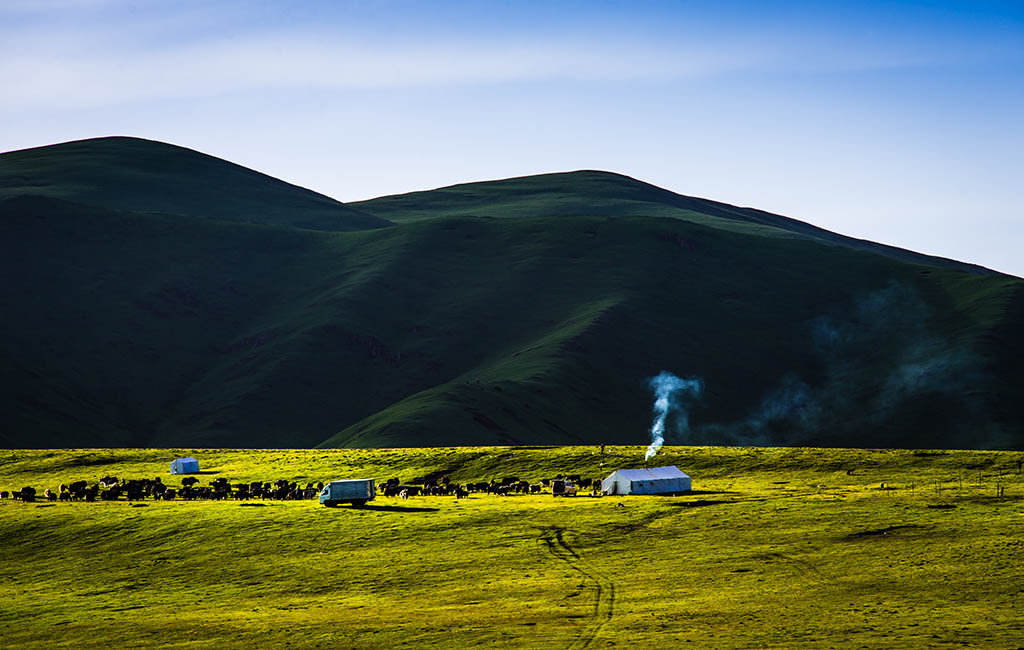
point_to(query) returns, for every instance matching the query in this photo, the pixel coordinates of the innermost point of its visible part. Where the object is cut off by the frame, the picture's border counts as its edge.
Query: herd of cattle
(110, 488)
(509, 485)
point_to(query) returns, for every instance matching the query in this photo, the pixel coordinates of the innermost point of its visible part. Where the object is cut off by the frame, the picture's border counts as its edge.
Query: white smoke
(875, 357)
(668, 393)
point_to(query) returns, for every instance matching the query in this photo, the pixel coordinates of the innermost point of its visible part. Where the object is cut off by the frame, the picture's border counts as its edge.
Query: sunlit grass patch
(804, 548)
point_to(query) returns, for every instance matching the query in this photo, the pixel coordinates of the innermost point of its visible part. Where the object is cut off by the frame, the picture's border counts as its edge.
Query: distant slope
(136, 329)
(599, 193)
(134, 174)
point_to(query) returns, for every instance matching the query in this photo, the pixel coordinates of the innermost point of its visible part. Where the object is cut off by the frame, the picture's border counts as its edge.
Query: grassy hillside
(136, 174)
(599, 193)
(460, 331)
(152, 329)
(776, 548)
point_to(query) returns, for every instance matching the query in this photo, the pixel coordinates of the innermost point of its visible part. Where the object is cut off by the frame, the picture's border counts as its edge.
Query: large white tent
(656, 480)
(187, 465)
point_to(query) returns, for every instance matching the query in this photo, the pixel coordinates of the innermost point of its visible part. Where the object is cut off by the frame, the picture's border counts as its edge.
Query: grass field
(775, 548)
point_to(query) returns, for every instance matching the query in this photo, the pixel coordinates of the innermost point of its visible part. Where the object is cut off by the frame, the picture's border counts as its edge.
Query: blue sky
(891, 121)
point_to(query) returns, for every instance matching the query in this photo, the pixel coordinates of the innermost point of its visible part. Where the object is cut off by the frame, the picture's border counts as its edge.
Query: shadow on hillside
(395, 508)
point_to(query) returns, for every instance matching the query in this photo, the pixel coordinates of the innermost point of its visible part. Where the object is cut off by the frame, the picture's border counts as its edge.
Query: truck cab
(354, 491)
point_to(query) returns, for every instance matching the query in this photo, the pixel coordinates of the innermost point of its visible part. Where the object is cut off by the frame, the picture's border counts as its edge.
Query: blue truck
(355, 491)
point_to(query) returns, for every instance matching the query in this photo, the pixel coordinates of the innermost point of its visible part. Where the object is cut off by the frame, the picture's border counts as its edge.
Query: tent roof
(187, 459)
(650, 474)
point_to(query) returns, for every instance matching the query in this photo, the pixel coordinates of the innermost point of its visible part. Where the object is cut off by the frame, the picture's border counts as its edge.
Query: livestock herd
(110, 488)
(509, 485)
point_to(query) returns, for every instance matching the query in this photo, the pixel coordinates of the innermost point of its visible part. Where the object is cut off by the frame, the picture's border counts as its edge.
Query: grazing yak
(158, 489)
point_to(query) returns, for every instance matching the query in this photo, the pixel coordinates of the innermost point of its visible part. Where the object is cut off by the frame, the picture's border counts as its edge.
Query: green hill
(135, 174)
(600, 193)
(151, 328)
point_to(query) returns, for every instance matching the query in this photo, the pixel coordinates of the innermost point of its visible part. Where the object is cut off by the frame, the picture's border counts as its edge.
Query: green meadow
(774, 548)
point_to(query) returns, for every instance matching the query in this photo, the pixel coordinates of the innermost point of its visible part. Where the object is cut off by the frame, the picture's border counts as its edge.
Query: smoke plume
(877, 360)
(669, 393)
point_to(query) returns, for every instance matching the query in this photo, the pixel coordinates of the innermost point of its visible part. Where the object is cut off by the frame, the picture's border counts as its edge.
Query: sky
(898, 122)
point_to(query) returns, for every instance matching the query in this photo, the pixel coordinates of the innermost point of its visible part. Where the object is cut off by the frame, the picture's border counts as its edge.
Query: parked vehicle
(560, 488)
(356, 491)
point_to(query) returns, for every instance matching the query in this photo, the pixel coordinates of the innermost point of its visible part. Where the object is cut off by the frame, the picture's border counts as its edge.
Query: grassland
(775, 548)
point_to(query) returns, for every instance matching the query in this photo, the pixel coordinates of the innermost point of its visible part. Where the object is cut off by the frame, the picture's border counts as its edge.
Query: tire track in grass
(604, 601)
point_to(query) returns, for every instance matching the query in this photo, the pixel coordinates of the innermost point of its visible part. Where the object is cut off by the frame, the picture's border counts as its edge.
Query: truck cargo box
(355, 491)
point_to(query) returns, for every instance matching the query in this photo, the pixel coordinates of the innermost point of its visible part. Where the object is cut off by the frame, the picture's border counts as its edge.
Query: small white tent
(656, 480)
(184, 466)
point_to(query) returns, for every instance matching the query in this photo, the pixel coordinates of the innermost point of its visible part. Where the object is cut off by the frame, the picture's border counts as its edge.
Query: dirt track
(604, 588)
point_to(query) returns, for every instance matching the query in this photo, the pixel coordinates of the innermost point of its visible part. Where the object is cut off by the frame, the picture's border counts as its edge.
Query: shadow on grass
(690, 493)
(880, 532)
(389, 508)
(699, 504)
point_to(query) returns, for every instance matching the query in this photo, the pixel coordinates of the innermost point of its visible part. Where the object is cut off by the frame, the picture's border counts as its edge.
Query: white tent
(656, 480)
(184, 466)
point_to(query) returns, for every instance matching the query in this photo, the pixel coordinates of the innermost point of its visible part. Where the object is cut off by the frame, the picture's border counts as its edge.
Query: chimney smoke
(669, 391)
